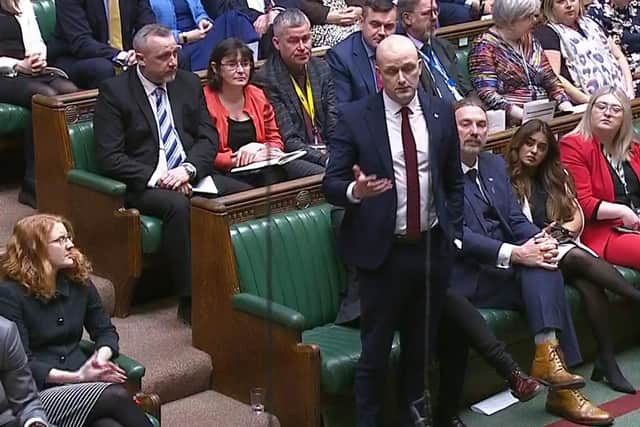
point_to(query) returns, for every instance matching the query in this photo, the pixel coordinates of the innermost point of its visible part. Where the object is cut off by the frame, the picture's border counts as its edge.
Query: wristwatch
(191, 170)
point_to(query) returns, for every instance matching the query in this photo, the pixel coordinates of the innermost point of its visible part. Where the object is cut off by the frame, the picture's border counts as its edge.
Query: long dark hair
(550, 173)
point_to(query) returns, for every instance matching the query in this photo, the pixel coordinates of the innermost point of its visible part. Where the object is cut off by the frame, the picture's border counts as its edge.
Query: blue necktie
(172, 147)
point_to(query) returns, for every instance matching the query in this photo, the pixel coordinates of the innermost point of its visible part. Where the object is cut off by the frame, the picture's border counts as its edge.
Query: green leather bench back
(307, 275)
(462, 54)
(83, 147)
(45, 11)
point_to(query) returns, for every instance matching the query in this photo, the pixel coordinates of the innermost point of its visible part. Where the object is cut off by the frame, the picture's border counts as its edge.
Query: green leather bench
(14, 119)
(307, 277)
(85, 175)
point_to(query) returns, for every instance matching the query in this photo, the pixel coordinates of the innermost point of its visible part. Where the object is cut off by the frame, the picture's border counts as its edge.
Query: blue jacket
(165, 12)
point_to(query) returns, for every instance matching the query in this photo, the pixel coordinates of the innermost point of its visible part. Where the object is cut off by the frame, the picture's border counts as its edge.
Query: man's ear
(406, 19)
(276, 42)
(140, 58)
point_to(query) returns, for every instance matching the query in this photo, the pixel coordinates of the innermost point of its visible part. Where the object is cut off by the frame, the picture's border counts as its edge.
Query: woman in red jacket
(243, 116)
(604, 159)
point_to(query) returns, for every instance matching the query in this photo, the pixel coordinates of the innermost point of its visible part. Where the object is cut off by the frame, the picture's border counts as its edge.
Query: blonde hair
(547, 10)
(26, 259)
(620, 148)
(11, 6)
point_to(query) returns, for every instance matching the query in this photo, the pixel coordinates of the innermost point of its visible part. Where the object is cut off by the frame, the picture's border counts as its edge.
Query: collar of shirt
(392, 108)
(148, 85)
(370, 52)
(418, 43)
(466, 168)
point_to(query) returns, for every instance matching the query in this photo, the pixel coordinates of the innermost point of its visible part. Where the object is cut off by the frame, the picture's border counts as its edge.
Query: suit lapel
(472, 201)
(175, 99)
(489, 183)
(141, 99)
(316, 88)
(290, 97)
(379, 134)
(361, 60)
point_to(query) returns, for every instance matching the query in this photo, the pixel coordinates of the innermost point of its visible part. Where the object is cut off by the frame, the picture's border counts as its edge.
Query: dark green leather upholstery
(45, 11)
(85, 173)
(13, 119)
(307, 278)
(462, 54)
(134, 369)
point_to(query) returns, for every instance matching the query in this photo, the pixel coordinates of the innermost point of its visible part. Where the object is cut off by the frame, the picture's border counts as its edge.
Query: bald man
(394, 165)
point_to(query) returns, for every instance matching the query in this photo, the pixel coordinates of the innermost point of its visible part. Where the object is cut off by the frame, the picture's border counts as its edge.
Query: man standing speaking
(394, 164)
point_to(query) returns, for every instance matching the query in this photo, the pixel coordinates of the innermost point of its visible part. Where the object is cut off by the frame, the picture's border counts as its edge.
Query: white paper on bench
(542, 109)
(283, 160)
(206, 185)
(495, 403)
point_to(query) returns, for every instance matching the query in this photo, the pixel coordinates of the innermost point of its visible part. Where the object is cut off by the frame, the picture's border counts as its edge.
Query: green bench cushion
(306, 274)
(84, 157)
(339, 353)
(45, 11)
(462, 55)
(14, 119)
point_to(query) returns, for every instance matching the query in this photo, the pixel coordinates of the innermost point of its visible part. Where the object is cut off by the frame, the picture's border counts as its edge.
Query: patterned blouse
(622, 24)
(501, 77)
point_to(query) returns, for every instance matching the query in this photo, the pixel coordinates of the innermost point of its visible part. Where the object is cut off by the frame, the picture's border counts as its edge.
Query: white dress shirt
(418, 124)
(504, 253)
(149, 88)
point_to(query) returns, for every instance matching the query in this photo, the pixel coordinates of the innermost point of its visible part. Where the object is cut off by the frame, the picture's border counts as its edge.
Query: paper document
(495, 403)
(206, 186)
(542, 109)
(283, 160)
(497, 121)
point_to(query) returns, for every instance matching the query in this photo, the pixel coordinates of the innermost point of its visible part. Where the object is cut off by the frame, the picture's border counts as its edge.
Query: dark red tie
(378, 80)
(413, 184)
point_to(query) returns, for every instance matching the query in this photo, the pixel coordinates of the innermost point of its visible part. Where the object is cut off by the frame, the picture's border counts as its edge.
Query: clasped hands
(349, 16)
(33, 63)
(96, 368)
(198, 33)
(539, 251)
(255, 152)
(176, 179)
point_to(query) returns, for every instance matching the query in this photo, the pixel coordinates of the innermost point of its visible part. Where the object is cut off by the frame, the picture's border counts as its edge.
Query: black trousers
(174, 209)
(392, 298)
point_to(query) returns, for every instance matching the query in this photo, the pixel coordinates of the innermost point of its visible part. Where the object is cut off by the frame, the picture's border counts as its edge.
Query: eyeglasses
(234, 65)
(603, 106)
(63, 239)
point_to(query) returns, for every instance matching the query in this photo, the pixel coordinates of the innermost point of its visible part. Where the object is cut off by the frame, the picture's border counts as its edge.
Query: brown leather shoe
(149, 403)
(572, 405)
(549, 367)
(523, 387)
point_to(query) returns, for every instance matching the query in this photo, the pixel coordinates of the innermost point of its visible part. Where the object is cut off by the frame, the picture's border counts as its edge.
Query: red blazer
(258, 107)
(583, 157)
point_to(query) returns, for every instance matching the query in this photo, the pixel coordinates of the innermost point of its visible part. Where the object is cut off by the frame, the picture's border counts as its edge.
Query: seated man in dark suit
(301, 91)
(442, 75)
(153, 132)
(93, 37)
(353, 60)
(507, 263)
(19, 401)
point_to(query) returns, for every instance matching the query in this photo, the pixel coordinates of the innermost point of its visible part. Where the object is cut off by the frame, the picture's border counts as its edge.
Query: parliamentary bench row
(14, 119)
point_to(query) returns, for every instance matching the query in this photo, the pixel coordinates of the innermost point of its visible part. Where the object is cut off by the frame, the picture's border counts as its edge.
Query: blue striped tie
(172, 147)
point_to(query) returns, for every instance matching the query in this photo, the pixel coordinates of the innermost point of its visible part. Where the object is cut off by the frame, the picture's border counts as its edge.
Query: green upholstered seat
(636, 126)
(13, 119)
(86, 173)
(307, 279)
(45, 11)
(462, 55)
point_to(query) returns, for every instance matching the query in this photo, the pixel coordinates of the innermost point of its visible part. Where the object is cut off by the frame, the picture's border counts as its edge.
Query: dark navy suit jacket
(479, 250)
(361, 138)
(353, 76)
(82, 27)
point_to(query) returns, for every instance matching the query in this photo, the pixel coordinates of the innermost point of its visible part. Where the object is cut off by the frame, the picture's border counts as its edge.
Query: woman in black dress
(47, 293)
(24, 73)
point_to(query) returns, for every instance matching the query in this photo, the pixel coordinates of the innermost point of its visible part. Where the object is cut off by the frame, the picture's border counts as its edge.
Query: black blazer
(361, 138)
(351, 69)
(274, 78)
(51, 330)
(82, 27)
(126, 131)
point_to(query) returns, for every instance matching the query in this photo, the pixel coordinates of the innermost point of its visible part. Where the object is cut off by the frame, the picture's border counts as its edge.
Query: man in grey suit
(19, 401)
(301, 90)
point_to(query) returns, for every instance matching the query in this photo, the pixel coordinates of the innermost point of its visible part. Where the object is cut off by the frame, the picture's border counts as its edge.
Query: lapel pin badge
(436, 115)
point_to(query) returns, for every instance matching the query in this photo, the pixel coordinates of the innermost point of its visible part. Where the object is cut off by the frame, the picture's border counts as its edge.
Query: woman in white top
(548, 195)
(24, 73)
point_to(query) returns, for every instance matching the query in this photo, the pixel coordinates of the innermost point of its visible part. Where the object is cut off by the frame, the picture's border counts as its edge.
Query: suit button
(62, 359)
(60, 321)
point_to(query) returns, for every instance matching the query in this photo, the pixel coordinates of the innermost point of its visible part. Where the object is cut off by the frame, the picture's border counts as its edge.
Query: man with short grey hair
(154, 133)
(301, 91)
